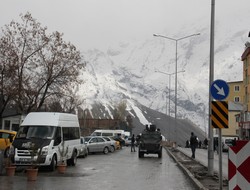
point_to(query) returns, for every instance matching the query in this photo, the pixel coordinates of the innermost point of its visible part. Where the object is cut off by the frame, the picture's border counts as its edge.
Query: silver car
(113, 145)
(97, 144)
(84, 149)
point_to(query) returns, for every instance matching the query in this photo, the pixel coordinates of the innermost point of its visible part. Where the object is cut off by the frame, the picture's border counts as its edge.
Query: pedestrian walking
(193, 144)
(133, 143)
(216, 144)
(200, 143)
(205, 143)
(187, 144)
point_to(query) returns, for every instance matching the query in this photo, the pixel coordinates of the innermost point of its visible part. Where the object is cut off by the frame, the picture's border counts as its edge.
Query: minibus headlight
(11, 151)
(45, 150)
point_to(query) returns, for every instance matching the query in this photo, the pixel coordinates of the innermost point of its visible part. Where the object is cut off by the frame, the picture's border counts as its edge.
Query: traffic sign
(219, 114)
(219, 89)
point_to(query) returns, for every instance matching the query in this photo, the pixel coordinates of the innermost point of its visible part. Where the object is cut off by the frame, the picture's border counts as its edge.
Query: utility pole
(211, 79)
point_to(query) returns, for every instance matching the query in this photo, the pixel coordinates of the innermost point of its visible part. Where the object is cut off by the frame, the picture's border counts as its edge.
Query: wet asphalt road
(119, 170)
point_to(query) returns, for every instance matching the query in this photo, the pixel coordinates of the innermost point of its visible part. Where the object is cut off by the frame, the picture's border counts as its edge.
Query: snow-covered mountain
(127, 71)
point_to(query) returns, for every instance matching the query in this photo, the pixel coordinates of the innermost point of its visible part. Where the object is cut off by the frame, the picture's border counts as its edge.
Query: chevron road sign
(219, 114)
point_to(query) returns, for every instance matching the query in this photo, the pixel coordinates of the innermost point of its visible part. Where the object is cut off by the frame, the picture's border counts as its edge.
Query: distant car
(117, 143)
(84, 149)
(6, 139)
(121, 140)
(226, 144)
(113, 145)
(97, 144)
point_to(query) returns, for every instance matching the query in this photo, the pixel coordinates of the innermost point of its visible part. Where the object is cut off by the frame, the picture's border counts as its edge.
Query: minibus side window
(71, 133)
(58, 136)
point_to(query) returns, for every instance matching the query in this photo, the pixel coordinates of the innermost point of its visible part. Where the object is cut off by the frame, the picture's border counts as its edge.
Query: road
(202, 156)
(119, 170)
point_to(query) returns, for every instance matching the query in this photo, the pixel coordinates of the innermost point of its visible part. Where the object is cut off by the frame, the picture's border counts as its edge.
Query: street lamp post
(176, 59)
(169, 91)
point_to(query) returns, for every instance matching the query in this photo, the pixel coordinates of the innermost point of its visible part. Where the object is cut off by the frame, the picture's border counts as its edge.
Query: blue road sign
(219, 89)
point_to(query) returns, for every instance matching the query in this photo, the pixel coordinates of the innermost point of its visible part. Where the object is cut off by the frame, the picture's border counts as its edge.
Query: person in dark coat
(193, 144)
(133, 143)
(187, 144)
(216, 143)
(205, 142)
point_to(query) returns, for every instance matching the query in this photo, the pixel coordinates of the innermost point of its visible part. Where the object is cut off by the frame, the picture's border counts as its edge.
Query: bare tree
(120, 110)
(68, 103)
(45, 65)
(129, 120)
(7, 70)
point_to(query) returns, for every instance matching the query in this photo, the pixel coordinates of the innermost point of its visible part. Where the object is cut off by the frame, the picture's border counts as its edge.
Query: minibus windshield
(43, 132)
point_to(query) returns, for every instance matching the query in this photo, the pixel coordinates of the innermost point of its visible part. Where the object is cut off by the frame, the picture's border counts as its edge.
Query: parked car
(117, 143)
(226, 143)
(113, 145)
(121, 140)
(84, 149)
(6, 139)
(97, 144)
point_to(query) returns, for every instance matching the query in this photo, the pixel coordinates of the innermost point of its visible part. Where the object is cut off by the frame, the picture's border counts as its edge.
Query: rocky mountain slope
(128, 71)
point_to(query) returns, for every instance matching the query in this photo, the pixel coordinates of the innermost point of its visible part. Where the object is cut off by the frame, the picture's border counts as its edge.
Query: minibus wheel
(73, 159)
(53, 164)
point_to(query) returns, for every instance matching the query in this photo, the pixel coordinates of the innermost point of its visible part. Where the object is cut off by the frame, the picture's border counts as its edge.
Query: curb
(187, 172)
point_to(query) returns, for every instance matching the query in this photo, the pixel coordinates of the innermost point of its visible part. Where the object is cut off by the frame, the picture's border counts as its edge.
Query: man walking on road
(133, 143)
(193, 144)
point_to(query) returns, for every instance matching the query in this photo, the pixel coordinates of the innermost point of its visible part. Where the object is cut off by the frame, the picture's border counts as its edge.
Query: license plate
(25, 159)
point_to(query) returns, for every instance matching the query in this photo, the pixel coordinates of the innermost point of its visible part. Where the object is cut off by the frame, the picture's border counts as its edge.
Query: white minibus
(47, 131)
(108, 133)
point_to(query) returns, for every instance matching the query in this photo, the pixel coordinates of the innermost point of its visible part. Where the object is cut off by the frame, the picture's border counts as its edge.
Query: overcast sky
(102, 23)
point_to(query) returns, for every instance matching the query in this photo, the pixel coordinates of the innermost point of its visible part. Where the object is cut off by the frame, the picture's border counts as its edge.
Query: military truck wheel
(140, 154)
(160, 154)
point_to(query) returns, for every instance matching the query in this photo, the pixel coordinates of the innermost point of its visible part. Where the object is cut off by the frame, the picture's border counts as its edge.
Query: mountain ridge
(127, 71)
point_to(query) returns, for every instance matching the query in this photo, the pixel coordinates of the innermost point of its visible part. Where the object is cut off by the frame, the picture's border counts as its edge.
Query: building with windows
(245, 114)
(236, 92)
(235, 106)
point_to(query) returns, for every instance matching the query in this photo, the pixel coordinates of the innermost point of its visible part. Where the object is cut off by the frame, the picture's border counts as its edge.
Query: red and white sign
(239, 166)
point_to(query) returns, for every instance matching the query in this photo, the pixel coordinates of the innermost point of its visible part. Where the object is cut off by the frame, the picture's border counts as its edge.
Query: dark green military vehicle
(150, 142)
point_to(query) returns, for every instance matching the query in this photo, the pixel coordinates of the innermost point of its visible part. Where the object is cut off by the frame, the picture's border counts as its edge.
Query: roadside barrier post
(239, 165)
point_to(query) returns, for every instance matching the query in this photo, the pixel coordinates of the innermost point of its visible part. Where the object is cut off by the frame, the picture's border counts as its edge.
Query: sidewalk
(201, 155)
(196, 169)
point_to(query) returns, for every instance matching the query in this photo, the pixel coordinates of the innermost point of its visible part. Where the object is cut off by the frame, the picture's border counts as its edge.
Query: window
(94, 140)
(237, 99)
(107, 134)
(15, 127)
(237, 119)
(71, 133)
(7, 124)
(100, 140)
(236, 88)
